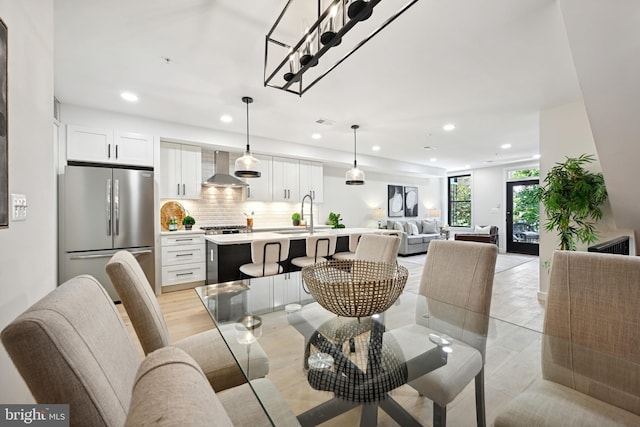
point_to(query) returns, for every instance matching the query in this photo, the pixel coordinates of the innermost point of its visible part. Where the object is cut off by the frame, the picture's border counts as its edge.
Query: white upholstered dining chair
(208, 348)
(457, 281)
(378, 247)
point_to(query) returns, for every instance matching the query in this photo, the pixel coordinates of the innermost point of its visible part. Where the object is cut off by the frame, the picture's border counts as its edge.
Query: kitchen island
(227, 252)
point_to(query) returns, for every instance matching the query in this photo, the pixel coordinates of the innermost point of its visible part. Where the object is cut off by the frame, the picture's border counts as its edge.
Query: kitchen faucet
(310, 227)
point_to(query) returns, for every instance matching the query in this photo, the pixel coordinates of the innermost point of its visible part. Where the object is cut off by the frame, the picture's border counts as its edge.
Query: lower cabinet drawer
(187, 254)
(183, 273)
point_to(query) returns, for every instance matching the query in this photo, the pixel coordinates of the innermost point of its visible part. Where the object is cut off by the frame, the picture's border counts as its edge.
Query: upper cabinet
(106, 146)
(286, 179)
(311, 177)
(181, 171)
(259, 188)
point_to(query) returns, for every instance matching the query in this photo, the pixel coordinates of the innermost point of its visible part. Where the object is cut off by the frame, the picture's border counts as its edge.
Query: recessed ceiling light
(433, 159)
(536, 156)
(429, 147)
(449, 127)
(467, 166)
(225, 118)
(505, 146)
(316, 136)
(129, 96)
(376, 148)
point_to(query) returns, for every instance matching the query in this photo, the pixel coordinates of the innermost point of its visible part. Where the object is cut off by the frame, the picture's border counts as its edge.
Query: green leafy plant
(334, 220)
(188, 220)
(572, 197)
(295, 216)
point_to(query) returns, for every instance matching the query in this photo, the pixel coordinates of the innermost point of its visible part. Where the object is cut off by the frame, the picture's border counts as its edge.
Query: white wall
(28, 249)
(565, 132)
(355, 203)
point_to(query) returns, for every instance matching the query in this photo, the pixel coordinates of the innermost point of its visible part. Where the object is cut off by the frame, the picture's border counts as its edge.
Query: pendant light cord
(355, 162)
(247, 127)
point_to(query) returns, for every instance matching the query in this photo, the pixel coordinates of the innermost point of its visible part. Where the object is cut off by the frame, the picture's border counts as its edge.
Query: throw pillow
(398, 226)
(483, 230)
(429, 226)
(414, 229)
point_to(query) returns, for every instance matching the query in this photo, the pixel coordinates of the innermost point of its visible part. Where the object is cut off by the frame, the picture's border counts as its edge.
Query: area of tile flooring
(512, 360)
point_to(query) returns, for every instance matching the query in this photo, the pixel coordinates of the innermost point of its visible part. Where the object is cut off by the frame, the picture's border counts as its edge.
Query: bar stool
(354, 239)
(266, 256)
(317, 248)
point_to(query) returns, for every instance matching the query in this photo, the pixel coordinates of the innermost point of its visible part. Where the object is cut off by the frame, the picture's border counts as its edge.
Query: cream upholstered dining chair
(317, 248)
(378, 247)
(354, 239)
(267, 256)
(208, 348)
(457, 281)
(590, 346)
(72, 347)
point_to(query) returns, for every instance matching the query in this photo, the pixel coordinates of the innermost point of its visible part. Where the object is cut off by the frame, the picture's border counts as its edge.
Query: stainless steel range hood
(221, 176)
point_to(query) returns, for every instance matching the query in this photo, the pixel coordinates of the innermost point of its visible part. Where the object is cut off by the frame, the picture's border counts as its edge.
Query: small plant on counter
(334, 220)
(188, 222)
(295, 217)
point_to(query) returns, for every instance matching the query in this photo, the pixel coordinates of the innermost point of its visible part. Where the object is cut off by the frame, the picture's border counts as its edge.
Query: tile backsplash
(227, 206)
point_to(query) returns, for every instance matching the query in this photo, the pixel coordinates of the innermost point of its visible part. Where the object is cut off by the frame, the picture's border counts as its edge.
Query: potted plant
(334, 220)
(188, 222)
(295, 217)
(572, 197)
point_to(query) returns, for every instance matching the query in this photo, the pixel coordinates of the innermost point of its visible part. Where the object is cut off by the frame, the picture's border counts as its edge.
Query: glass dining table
(347, 371)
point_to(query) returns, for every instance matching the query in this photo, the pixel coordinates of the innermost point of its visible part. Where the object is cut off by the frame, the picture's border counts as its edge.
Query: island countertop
(234, 239)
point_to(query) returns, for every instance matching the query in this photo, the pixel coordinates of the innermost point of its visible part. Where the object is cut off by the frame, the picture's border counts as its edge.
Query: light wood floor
(512, 361)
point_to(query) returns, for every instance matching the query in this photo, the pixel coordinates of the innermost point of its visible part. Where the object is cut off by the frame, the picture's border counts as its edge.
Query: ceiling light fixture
(536, 156)
(354, 175)
(287, 57)
(449, 127)
(129, 96)
(376, 148)
(505, 146)
(247, 166)
(316, 136)
(433, 159)
(225, 118)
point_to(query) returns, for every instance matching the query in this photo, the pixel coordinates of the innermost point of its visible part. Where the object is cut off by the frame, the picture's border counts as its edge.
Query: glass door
(523, 217)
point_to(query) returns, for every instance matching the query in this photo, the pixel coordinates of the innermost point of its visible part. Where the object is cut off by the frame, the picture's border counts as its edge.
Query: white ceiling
(488, 66)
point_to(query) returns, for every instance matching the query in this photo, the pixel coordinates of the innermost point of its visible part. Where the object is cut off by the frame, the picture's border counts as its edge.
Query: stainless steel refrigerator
(104, 210)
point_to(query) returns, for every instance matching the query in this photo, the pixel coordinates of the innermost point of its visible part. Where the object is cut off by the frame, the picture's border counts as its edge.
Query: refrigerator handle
(116, 204)
(108, 207)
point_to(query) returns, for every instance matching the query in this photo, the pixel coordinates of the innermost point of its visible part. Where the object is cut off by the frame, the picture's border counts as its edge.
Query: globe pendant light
(247, 166)
(354, 175)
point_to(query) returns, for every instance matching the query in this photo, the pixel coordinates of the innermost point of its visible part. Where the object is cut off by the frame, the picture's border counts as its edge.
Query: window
(460, 201)
(524, 173)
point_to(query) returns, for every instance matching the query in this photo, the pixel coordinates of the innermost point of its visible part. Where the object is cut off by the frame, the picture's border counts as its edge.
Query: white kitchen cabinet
(286, 289)
(286, 179)
(134, 148)
(259, 188)
(181, 171)
(106, 146)
(183, 259)
(311, 179)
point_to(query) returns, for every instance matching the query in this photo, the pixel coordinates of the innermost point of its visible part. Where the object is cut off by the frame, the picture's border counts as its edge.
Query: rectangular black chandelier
(303, 34)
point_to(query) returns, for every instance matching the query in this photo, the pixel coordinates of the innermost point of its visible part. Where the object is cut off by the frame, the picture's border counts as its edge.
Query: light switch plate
(18, 207)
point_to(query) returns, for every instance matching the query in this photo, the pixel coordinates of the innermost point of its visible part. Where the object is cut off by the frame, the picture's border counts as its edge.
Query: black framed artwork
(4, 144)
(410, 201)
(396, 200)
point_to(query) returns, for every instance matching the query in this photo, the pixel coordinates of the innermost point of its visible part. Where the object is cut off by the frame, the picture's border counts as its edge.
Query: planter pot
(188, 227)
(296, 222)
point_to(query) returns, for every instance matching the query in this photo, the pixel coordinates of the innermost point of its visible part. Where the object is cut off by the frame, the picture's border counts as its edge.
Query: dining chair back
(378, 247)
(72, 347)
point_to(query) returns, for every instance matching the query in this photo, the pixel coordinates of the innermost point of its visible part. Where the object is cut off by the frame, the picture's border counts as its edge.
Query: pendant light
(247, 166)
(354, 175)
